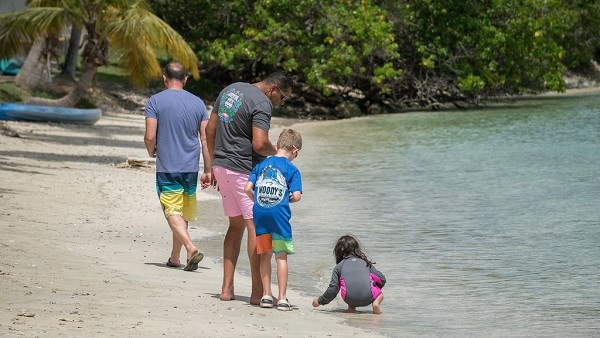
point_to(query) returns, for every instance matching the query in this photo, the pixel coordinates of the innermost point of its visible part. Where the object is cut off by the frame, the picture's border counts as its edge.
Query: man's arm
(206, 177)
(261, 143)
(211, 136)
(205, 153)
(150, 136)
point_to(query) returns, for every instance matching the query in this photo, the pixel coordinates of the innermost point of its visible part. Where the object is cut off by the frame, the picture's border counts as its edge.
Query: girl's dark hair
(349, 246)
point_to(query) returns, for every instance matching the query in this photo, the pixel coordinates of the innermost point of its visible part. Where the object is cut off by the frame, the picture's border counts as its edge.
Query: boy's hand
(315, 302)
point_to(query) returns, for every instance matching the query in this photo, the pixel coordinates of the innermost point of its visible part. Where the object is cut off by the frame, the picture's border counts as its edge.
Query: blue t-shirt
(274, 180)
(179, 114)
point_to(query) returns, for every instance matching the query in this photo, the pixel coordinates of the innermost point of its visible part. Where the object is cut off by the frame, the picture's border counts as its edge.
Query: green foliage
(581, 36)
(11, 93)
(353, 45)
(392, 49)
(323, 42)
(386, 49)
(471, 83)
(488, 45)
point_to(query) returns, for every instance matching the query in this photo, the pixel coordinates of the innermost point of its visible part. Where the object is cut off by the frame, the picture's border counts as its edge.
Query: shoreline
(85, 244)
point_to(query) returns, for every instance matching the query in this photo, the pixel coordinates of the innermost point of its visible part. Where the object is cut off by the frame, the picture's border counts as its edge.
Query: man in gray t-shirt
(237, 139)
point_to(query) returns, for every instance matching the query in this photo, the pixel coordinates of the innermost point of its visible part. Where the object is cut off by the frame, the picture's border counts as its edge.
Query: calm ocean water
(485, 222)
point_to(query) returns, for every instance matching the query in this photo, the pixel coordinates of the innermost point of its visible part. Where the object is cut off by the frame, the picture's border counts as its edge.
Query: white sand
(84, 243)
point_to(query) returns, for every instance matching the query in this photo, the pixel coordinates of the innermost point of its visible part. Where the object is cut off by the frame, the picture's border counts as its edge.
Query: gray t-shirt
(179, 114)
(240, 106)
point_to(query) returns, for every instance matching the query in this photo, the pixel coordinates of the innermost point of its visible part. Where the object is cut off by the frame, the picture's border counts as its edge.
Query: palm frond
(44, 3)
(167, 40)
(137, 36)
(18, 30)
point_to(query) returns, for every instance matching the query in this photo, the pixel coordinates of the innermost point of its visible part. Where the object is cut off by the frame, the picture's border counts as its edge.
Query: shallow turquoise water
(485, 222)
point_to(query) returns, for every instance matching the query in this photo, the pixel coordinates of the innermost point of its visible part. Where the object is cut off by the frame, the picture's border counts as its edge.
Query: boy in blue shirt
(273, 184)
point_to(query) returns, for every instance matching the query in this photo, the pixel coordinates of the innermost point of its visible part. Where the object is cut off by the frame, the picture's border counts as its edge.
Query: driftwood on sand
(138, 162)
(5, 129)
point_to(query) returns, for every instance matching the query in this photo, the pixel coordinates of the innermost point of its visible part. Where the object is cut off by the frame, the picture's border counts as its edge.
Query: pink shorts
(231, 186)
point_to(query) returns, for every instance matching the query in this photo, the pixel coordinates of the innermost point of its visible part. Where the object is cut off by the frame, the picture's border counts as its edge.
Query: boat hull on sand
(26, 112)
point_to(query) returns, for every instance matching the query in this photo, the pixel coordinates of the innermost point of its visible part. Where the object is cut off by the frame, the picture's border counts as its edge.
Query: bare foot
(350, 309)
(226, 297)
(255, 296)
(377, 304)
(255, 301)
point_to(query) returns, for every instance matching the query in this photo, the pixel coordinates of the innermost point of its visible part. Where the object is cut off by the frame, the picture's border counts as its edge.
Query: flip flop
(172, 265)
(284, 305)
(266, 301)
(192, 263)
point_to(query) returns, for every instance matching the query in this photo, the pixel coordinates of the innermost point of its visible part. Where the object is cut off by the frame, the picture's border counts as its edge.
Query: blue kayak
(26, 112)
(10, 66)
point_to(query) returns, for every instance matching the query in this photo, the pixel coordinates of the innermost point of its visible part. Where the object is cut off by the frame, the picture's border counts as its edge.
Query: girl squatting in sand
(354, 274)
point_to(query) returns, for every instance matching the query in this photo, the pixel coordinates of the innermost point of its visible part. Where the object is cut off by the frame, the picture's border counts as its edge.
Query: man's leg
(180, 232)
(257, 290)
(231, 252)
(176, 251)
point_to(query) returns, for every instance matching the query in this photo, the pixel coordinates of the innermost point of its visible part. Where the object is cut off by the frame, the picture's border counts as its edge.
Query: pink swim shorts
(231, 186)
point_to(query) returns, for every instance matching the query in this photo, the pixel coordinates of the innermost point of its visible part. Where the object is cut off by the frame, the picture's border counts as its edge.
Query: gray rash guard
(359, 284)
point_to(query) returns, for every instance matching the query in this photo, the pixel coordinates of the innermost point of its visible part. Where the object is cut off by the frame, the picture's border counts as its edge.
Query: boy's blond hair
(289, 139)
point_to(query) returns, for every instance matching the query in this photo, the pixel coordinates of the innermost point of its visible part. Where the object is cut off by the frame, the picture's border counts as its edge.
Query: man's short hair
(175, 71)
(282, 79)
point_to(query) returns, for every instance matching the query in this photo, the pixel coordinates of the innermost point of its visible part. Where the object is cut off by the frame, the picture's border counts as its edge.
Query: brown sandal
(172, 265)
(192, 263)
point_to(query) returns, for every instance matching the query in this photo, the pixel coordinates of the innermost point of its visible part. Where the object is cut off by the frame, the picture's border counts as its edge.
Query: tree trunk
(94, 55)
(73, 97)
(34, 74)
(70, 65)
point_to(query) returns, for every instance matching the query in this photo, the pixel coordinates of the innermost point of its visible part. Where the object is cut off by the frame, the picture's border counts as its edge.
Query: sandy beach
(84, 246)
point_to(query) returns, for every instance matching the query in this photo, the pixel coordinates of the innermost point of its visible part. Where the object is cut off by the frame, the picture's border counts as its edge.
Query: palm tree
(134, 33)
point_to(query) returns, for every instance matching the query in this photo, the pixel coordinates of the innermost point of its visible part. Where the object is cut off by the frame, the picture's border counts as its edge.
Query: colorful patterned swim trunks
(273, 242)
(177, 194)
